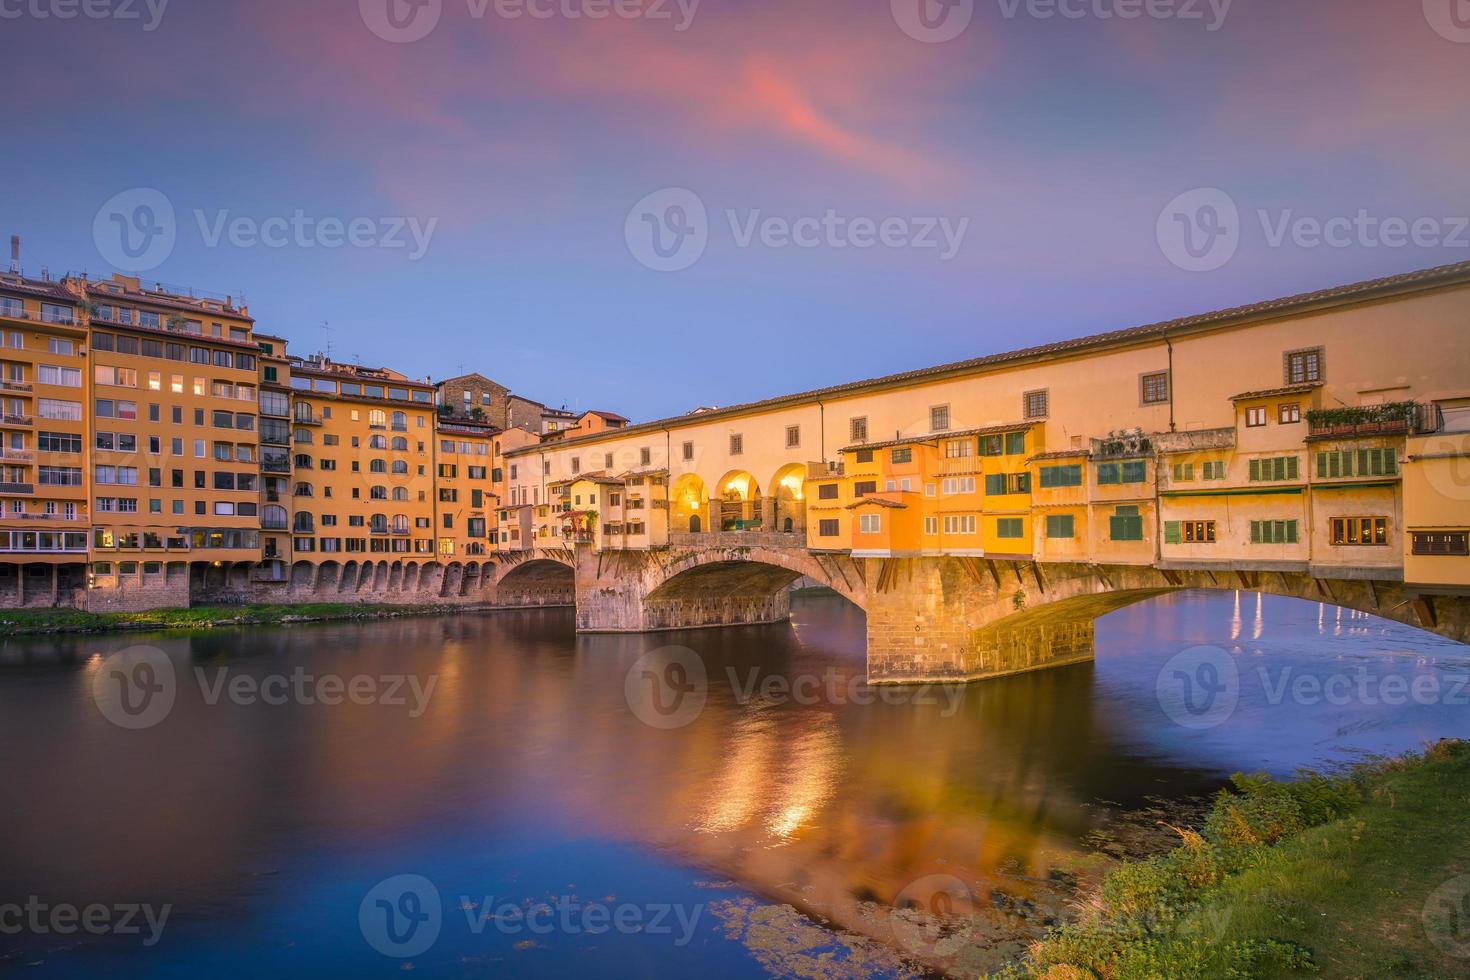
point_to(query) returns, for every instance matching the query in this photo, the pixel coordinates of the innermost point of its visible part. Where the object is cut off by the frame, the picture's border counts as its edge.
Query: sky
(646, 206)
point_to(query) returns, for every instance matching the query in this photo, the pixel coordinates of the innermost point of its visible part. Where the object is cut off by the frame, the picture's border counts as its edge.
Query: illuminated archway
(736, 503)
(689, 504)
(788, 491)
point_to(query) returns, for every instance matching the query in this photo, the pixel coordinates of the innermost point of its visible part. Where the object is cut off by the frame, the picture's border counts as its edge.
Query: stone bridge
(928, 618)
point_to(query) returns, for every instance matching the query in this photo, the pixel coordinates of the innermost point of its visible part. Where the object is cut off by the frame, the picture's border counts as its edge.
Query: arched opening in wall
(538, 582)
(790, 506)
(738, 500)
(688, 505)
(723, 593)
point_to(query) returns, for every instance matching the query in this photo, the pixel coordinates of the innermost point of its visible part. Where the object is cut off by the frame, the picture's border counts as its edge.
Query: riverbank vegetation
(25, 621)
(1327, 877)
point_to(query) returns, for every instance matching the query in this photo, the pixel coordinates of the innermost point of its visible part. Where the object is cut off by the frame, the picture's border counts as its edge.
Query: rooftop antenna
(328, 331)
(15, 254)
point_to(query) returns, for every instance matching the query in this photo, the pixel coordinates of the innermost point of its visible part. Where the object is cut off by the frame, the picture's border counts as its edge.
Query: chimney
(15, 254)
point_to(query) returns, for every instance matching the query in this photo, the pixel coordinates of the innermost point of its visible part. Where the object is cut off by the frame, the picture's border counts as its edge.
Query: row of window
(243, 538)
(351, 389)
(389, 546)
(167, 350)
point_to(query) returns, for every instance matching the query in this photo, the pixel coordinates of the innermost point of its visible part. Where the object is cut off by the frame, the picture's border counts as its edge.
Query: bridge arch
(535, 581)
(751, 571)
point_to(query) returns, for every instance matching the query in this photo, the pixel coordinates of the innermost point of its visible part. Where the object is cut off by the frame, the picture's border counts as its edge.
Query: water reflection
(271, 820)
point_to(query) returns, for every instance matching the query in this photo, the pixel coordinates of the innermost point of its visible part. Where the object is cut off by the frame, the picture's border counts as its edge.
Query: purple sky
(520, 146)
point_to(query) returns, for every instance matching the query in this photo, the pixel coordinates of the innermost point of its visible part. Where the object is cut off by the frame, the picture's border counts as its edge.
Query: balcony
(275, 466)
(18, 387)
(959, 466)
(17, 420)
(307, 419)
(23, 489)
(15, 455)
(1371, 421)
(823, 471)
(274, 525)
(65, 318)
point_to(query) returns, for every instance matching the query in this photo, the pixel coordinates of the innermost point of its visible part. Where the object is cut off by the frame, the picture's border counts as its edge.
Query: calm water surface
(769, 835)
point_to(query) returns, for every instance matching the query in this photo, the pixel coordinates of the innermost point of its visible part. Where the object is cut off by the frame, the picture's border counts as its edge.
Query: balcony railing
(27, 489)
(1396, 419)
(273, 525)
(15, 455)
(24, 420)
(307, 419)
(960, 466)
(65, 318)
(20, 387)
(275, 465)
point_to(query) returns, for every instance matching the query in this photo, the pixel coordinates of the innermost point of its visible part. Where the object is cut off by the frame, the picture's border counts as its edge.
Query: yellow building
(362, 463)
(465, 488)
(172, 389)
(44, 435)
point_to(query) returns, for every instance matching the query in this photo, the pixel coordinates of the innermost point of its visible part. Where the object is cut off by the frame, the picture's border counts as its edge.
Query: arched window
(273, 517)
(303, 523)
(303, 437)
(377, 442)
(377, 466)
(400, 467)
(400, 444)
(378, 524)
(378, 493)
(400, 422)
(302, 461)
(304, 490)
(377, 418)
(400, 524)
(400, 493)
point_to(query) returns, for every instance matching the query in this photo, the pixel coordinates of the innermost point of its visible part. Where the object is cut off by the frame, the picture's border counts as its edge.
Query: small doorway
(694, 527)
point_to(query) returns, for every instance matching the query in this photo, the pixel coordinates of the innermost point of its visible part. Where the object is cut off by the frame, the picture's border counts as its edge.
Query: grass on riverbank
(1316, 876)
(20, 621)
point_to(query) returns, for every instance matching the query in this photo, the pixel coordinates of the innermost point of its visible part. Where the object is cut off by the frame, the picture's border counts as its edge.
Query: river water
(493, 794)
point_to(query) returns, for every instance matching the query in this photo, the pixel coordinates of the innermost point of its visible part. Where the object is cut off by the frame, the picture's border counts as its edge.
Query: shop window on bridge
(1183, 472)
(1359, 530)
(1213, 469)
(827, 491)
(864, 487)
(1126, 524)
(1131, 471)
(1360, 462)
(931, 526)
(1060, 476)
(1274, 532)
(1453, 543)
(1273, 469)
(1060, 526)
(904, 455)
(1006, 483)
(1189, 532)
(870, 523)
(1010, 527)
(864, 455)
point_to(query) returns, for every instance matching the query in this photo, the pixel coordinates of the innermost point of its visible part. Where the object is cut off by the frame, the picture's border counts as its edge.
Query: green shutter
(1291, 468)
(1255, 532)
(1023, 482)
(995, 483)
(1015, 443)
(1059, 526)
(1255, 470)
(1291, 532)
(1173, 532)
